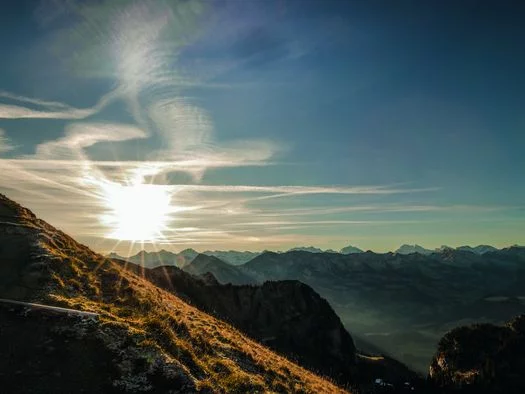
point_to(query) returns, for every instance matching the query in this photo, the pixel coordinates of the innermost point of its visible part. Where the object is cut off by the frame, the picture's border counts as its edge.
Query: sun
(137, 212)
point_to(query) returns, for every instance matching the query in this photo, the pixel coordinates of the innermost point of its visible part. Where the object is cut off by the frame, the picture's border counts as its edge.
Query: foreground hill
(482, 358)
(143, 339)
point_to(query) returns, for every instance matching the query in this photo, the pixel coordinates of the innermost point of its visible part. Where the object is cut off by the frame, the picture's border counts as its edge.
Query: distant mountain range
(162, 257)
(234, 257)
(480, 249)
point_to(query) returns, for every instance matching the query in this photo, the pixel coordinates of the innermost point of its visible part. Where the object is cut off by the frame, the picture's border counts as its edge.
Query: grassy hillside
(155, 340)
(287, 316)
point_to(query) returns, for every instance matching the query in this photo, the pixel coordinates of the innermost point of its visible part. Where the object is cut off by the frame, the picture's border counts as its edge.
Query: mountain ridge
(223, 272)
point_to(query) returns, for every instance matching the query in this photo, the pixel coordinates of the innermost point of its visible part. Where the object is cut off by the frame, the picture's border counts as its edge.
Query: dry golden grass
(214, 353)
(159, 324)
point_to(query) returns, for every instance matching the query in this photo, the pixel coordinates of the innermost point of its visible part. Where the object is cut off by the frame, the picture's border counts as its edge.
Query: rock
(482, 358)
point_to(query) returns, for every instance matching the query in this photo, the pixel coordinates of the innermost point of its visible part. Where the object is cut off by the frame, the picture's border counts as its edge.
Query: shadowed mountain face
(287, 316)
(144, 338)
(482, 358)
(403, 304)
(224, 272)
(350, 250)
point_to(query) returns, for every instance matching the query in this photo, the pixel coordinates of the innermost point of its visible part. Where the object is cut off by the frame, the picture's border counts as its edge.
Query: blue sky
(266, 124)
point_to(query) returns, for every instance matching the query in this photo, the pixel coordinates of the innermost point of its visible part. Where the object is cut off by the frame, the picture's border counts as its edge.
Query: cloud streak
(79, 136)
(49, 109)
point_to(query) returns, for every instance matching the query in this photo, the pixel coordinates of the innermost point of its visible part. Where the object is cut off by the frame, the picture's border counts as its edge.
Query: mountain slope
(145, 338)
(287, 316)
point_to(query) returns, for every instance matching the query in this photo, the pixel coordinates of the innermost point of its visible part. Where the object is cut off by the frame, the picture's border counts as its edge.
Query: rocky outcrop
(482, 358)
(53, 351)
(293, 319)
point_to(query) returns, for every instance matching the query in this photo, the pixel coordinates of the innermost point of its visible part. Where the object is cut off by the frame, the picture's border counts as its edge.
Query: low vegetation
(159, 339)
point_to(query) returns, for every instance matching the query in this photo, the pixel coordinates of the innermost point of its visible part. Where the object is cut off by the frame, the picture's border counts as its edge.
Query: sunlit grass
(212, 352)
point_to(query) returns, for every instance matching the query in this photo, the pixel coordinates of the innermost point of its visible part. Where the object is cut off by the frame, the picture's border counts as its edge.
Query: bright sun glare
(136, 212)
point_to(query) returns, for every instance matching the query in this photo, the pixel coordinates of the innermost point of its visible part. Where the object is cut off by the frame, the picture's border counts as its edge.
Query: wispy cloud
(5, 143)
(278, 223)
(273, 192)
(302, 189)
(48, 109)
(379, 209)
(79, 136)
